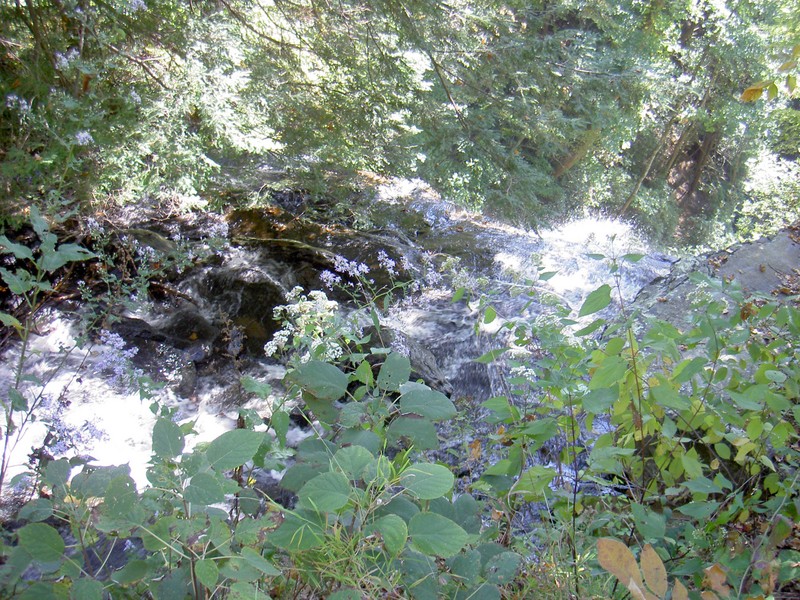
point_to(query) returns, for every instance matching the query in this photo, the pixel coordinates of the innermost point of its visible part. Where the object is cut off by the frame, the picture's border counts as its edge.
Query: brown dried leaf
(655, 575)
(715, 578)
(615, 558)
(709, 596)
(679, 592)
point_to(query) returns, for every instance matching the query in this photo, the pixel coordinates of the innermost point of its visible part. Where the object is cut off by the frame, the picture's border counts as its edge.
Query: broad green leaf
(591, 327)
(491, 356)
(38, 509)
(503, 410)
(502, 568)
(425, 402)
(261, 388)
(20, 251)
(632, 257)
(42, 542)
(20, 283)
(420, 433)
(66, 253)
(56, 474)
(120, 497)
(346, 595)
(600, 400)
(395, 371)
(534, 482)
(596, 301)
(427, 481)
(168, 439)
(86, 589)
(688, 369)
(299, 531)
(207, 572)
(352, 460)
(319, 379)
(394, 533)
(254, 559)
(489, 315)
(233, 448)
(18, 401)
(436, 535)
(609, 373)
(9, 321)
(650, 524)
(702, 485)
(665, 395)
(326, 492)
(133, 571)
(204, 489)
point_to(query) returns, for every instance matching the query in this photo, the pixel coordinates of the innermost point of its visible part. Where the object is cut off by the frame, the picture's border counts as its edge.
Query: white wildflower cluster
(523, 372)
(330, 279)
(15, 102)
(115, 359)
(217, 230)
(94, 226)
(311, 325)
(63, 437)
(387, 263)
(135, 97)
(137, 5)
(63, 60)
(83, 138)
(350, 267)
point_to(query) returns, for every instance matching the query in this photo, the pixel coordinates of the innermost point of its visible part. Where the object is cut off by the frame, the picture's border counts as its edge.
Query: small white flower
(83, 138)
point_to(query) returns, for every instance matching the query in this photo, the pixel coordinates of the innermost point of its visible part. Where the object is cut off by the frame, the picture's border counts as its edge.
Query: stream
(208, 329)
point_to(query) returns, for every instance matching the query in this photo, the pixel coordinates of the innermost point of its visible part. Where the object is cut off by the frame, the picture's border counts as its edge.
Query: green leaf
(600, 400)
(86, 589)
(233, 448)
(20, 251)
(688, 369)
(491, 356)
(632, 257)
(20, 283)
(502, 568)
(436, 535)
(352, 460)
(299, 531)
(394, 533)
(596, 301)
(489, 315)
(18, 401)
(260, 388)
(702, 485)
(120, 497)
(459, 294)
(204, 489)
(421, 400)
(427, 481)
(38, 509)
(66, 253)
(326, 492)
(319, 379)
(534, 483)
(346, 595)
(168, 439)
(207, 572)
(591, 328)
(699, 510)
(42, 542)
(395, 371)
(668, 397)
(134, 571)
(56, 474)
(650, 524)
(420, 432)
(254, 559)
(9, 321)
(610, 372)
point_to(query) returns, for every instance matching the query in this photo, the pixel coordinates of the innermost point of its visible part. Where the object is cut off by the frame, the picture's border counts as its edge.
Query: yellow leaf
(615, 558)
(475, 450)
(752, 93)
(787, 66)
(655, 575)
(679, 592)
(709, 596)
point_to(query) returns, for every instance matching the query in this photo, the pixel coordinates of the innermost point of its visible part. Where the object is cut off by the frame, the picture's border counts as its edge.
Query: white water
(125, 421)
